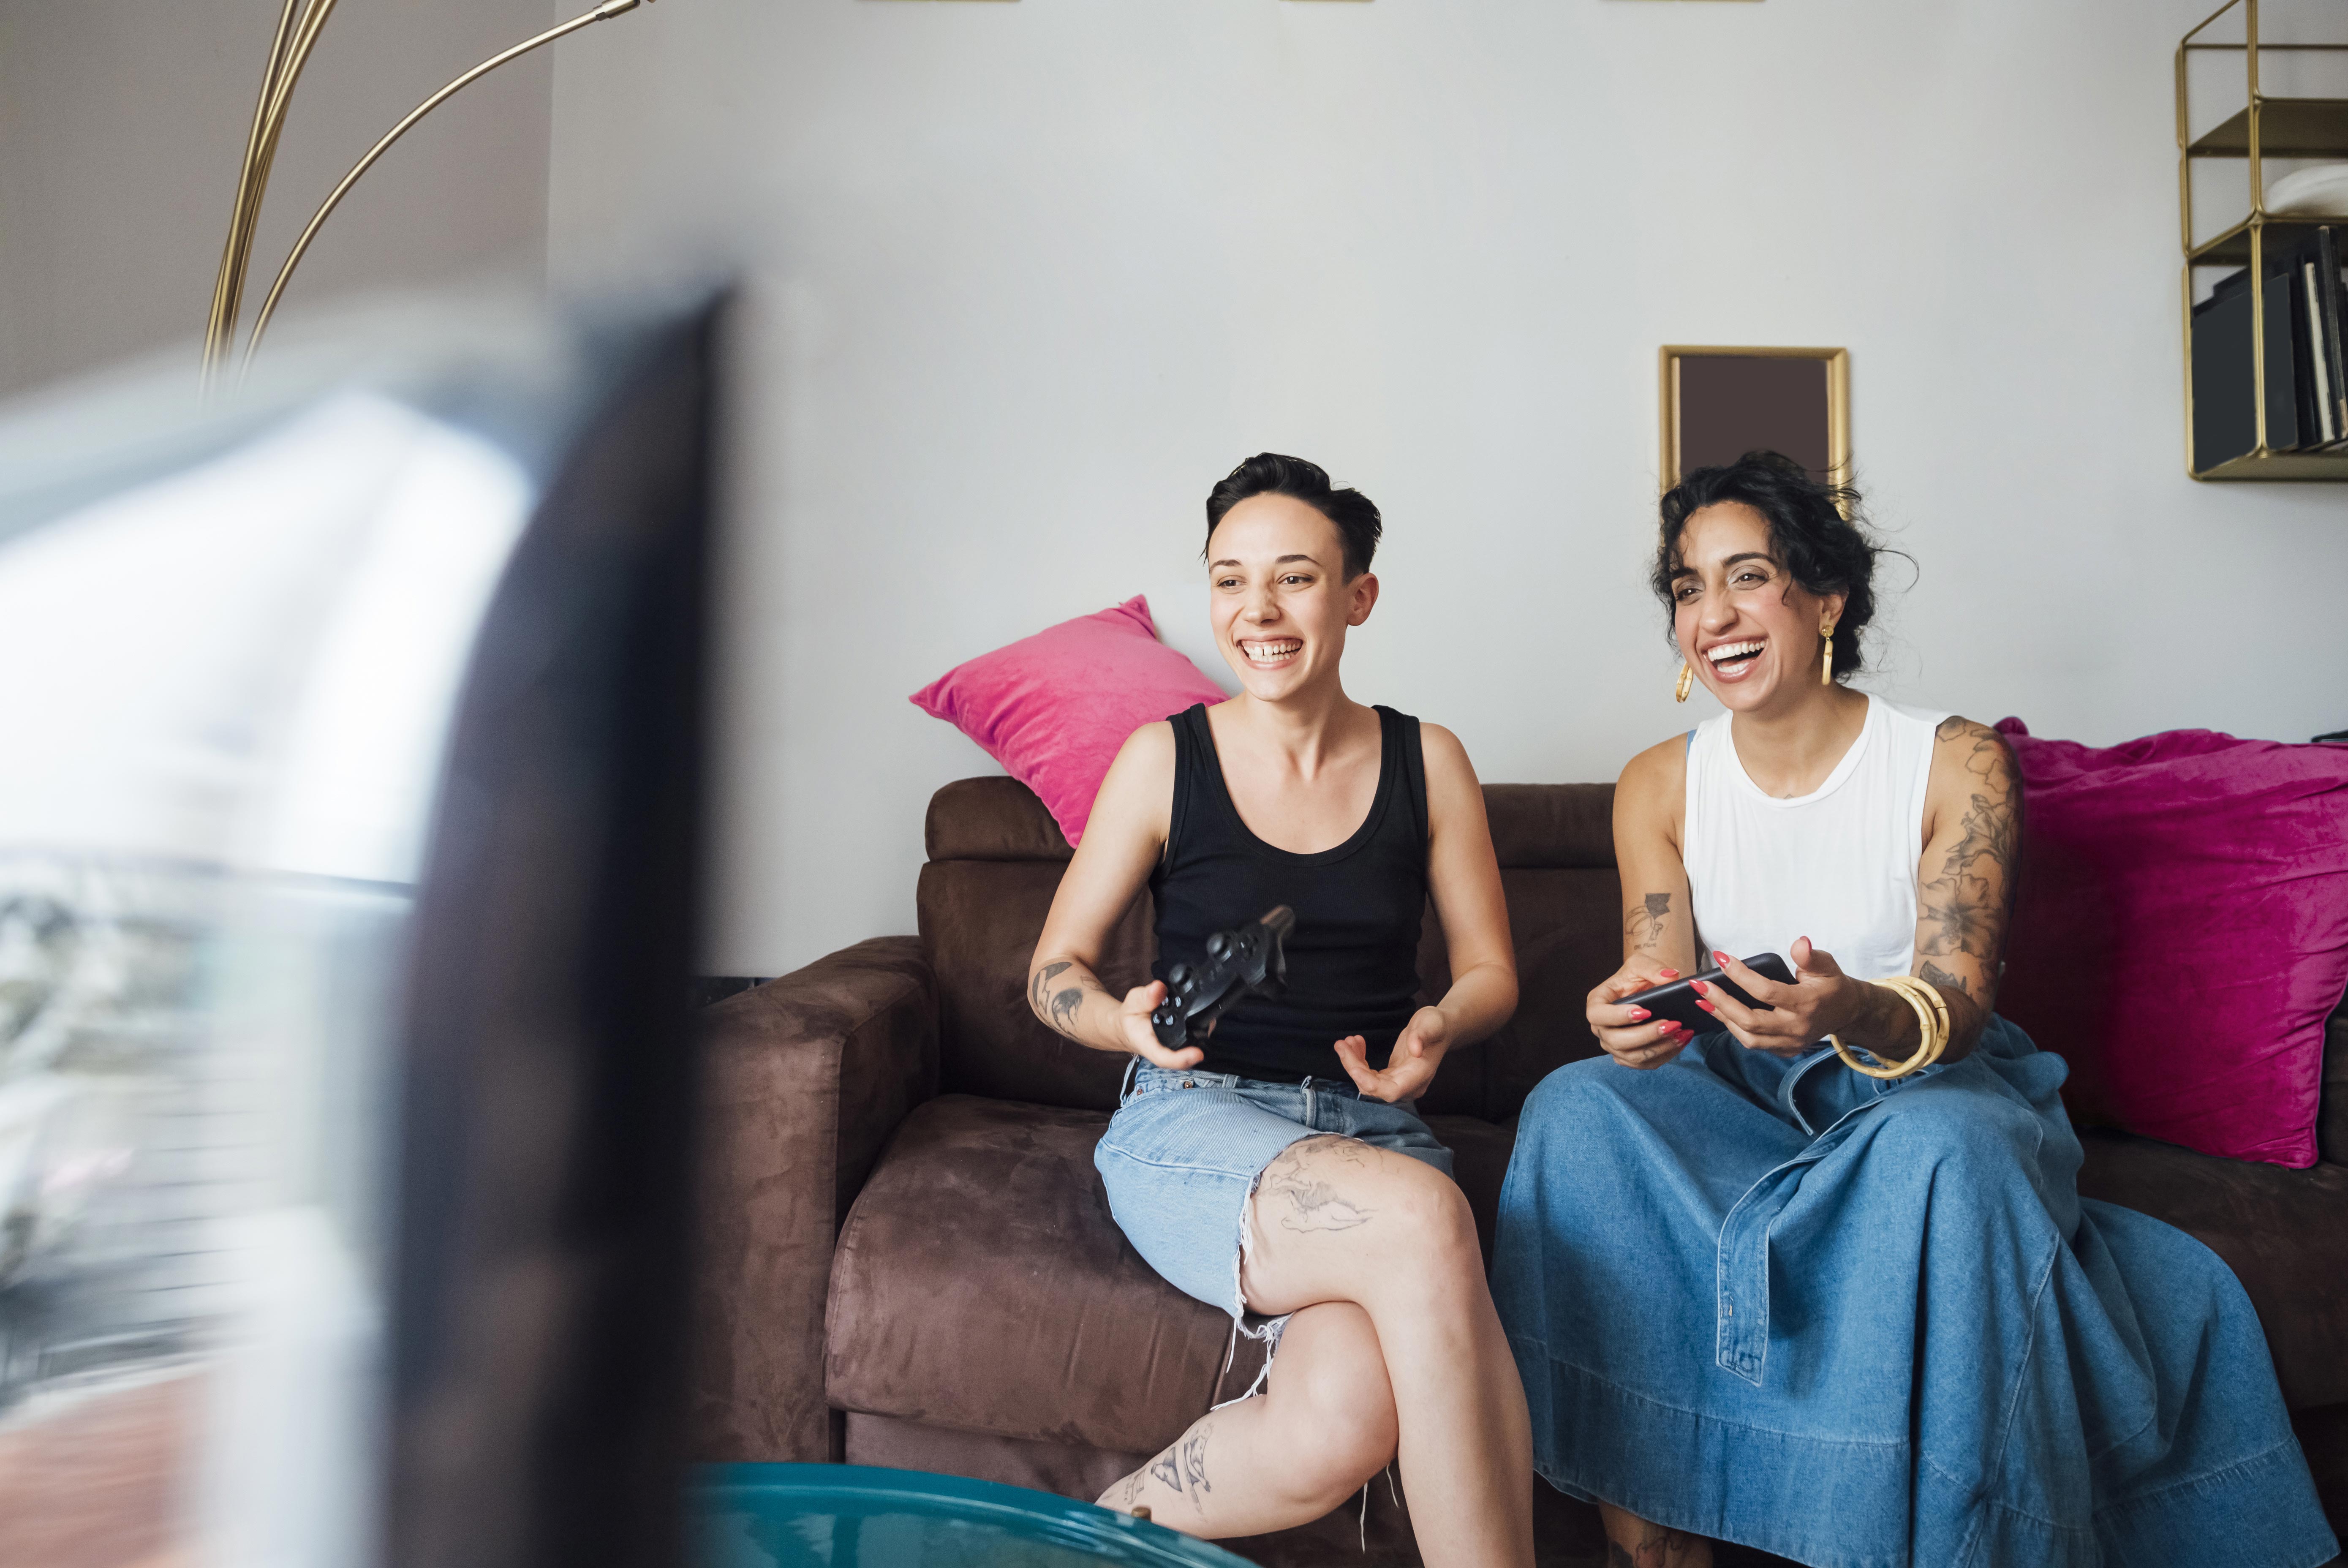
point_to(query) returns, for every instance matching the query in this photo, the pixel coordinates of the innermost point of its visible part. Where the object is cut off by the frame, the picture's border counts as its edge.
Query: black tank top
(1352, 960)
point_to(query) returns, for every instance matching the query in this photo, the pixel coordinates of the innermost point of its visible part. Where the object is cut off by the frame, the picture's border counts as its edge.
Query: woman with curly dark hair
(1818, 1280)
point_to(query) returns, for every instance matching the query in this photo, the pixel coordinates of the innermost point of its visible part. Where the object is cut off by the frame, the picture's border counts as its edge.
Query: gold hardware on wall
(1718, 403)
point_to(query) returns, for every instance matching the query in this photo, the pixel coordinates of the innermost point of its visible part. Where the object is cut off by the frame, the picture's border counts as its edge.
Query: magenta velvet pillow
(1053, 708)
(2182, 931)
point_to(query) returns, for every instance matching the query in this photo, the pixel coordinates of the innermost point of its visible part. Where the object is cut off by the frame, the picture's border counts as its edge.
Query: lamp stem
(287, 57)
(604, 11)
(298, 25)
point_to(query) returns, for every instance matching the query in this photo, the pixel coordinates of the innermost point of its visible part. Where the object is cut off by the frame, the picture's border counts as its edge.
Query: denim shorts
(1185, 1150)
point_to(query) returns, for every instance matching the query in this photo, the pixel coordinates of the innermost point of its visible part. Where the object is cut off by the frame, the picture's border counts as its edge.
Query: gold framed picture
(1721, 403)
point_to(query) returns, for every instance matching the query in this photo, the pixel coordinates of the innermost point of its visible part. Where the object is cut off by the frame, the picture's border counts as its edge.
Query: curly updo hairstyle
(1269, 473)
(1814, 534)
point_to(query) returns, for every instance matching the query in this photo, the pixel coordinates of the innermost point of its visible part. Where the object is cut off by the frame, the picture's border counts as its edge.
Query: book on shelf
(2225, 412)
(2306, 380)
(2325, 290)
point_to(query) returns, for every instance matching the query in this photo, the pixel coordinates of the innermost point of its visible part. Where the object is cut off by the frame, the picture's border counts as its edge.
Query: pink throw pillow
(2182, 932)
(1053, 708)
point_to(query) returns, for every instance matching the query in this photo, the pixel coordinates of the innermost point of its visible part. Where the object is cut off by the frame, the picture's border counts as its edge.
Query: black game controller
(1240, 964)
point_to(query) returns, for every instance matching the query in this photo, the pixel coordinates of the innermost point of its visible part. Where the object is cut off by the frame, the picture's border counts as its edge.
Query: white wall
(1026, 278)
(122, 126)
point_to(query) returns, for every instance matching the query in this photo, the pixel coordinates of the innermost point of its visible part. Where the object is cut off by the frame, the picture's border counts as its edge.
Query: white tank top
(1836, 865)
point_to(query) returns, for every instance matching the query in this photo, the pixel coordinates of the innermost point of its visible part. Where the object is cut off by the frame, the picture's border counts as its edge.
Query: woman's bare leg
(1632, 1542)
(1338, 1220)
(1324, 1425)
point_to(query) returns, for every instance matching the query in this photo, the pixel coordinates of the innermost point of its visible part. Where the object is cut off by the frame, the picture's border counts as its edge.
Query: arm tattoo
(1645, 926)
(1064, 1007)
(1964, 913)
(1164, 1469)
(1043, 978)
(1965, 909)
(1932, 974)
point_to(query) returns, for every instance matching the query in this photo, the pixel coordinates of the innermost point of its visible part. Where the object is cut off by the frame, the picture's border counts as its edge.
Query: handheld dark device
(1240, 964)
(1678, 999)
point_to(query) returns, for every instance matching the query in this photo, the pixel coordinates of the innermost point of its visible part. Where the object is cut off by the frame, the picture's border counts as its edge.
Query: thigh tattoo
(1300, 1200)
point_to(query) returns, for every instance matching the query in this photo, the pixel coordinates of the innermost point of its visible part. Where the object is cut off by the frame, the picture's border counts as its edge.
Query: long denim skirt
(1868, 1324)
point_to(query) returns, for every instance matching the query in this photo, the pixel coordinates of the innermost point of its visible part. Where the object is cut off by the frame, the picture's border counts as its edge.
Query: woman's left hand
(1417, 1052)
(1821, 1001)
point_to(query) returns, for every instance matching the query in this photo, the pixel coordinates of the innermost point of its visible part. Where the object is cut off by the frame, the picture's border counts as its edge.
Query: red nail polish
(1719, 957)
(1707, 1006)
(1639, 1015)
(1669, 1026)
(1670, 974)
(1700, 988)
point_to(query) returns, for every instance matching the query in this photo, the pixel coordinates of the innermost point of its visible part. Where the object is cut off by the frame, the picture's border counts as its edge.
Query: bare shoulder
(1151, 746)
(1137, 793)
(1970, 757)
(1656, 774)
(1649, 796)
(1453, 793)
(1444, 755)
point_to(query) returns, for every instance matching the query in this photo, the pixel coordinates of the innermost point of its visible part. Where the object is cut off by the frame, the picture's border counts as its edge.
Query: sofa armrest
(804, 1080)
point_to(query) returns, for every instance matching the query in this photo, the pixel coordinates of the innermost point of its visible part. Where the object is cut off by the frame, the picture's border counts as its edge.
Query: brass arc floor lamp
(298, 25)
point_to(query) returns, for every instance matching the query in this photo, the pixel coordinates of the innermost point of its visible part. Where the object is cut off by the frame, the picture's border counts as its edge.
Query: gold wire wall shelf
(2264, 127)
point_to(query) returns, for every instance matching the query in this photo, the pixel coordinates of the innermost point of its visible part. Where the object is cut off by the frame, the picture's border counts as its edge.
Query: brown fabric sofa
(907, 1258)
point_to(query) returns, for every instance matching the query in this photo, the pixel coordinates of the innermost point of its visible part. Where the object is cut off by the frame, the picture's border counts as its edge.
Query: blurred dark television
(367, 1147)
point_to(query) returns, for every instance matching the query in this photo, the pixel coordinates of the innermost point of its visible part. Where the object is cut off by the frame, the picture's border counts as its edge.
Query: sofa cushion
(2192, 856)
(2283, 1232)
(995, 818)
(1552, 827)
(982, 1285)
(979, 921)
(1054, 708)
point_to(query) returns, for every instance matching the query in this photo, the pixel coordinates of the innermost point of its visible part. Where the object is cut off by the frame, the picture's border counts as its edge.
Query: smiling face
(1280, 599)
(1751, 631)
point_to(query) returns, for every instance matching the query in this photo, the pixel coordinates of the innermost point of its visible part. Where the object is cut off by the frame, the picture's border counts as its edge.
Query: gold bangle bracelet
(1932, 1025)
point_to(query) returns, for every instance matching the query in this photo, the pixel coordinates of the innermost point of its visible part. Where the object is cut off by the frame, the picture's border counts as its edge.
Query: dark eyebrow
(1219, 566)
(1751, 555)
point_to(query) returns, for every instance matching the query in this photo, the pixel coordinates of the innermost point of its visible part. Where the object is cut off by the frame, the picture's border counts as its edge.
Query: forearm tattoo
(1933, 973)
(1060, 1008)
(1644, 926)
(1039, 984)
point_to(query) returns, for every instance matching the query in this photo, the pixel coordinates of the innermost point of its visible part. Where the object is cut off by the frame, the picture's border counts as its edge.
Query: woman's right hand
(1629, 1035)
(1133, 1020)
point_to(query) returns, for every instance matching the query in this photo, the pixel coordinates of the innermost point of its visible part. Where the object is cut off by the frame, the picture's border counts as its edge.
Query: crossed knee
(1340, 1426)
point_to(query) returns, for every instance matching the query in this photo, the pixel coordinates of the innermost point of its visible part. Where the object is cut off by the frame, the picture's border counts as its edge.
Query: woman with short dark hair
(1820, 1281)
(1280, 1169)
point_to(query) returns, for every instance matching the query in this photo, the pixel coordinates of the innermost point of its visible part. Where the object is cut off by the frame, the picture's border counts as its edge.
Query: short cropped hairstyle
(1269, 473)
(1815, 533)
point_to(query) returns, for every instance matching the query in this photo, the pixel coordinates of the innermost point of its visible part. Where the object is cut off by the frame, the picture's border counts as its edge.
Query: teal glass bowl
(853, 1516)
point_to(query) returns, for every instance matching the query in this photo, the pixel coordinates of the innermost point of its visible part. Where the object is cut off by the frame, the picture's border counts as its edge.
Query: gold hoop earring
(1687, 679)
(1826, 665)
